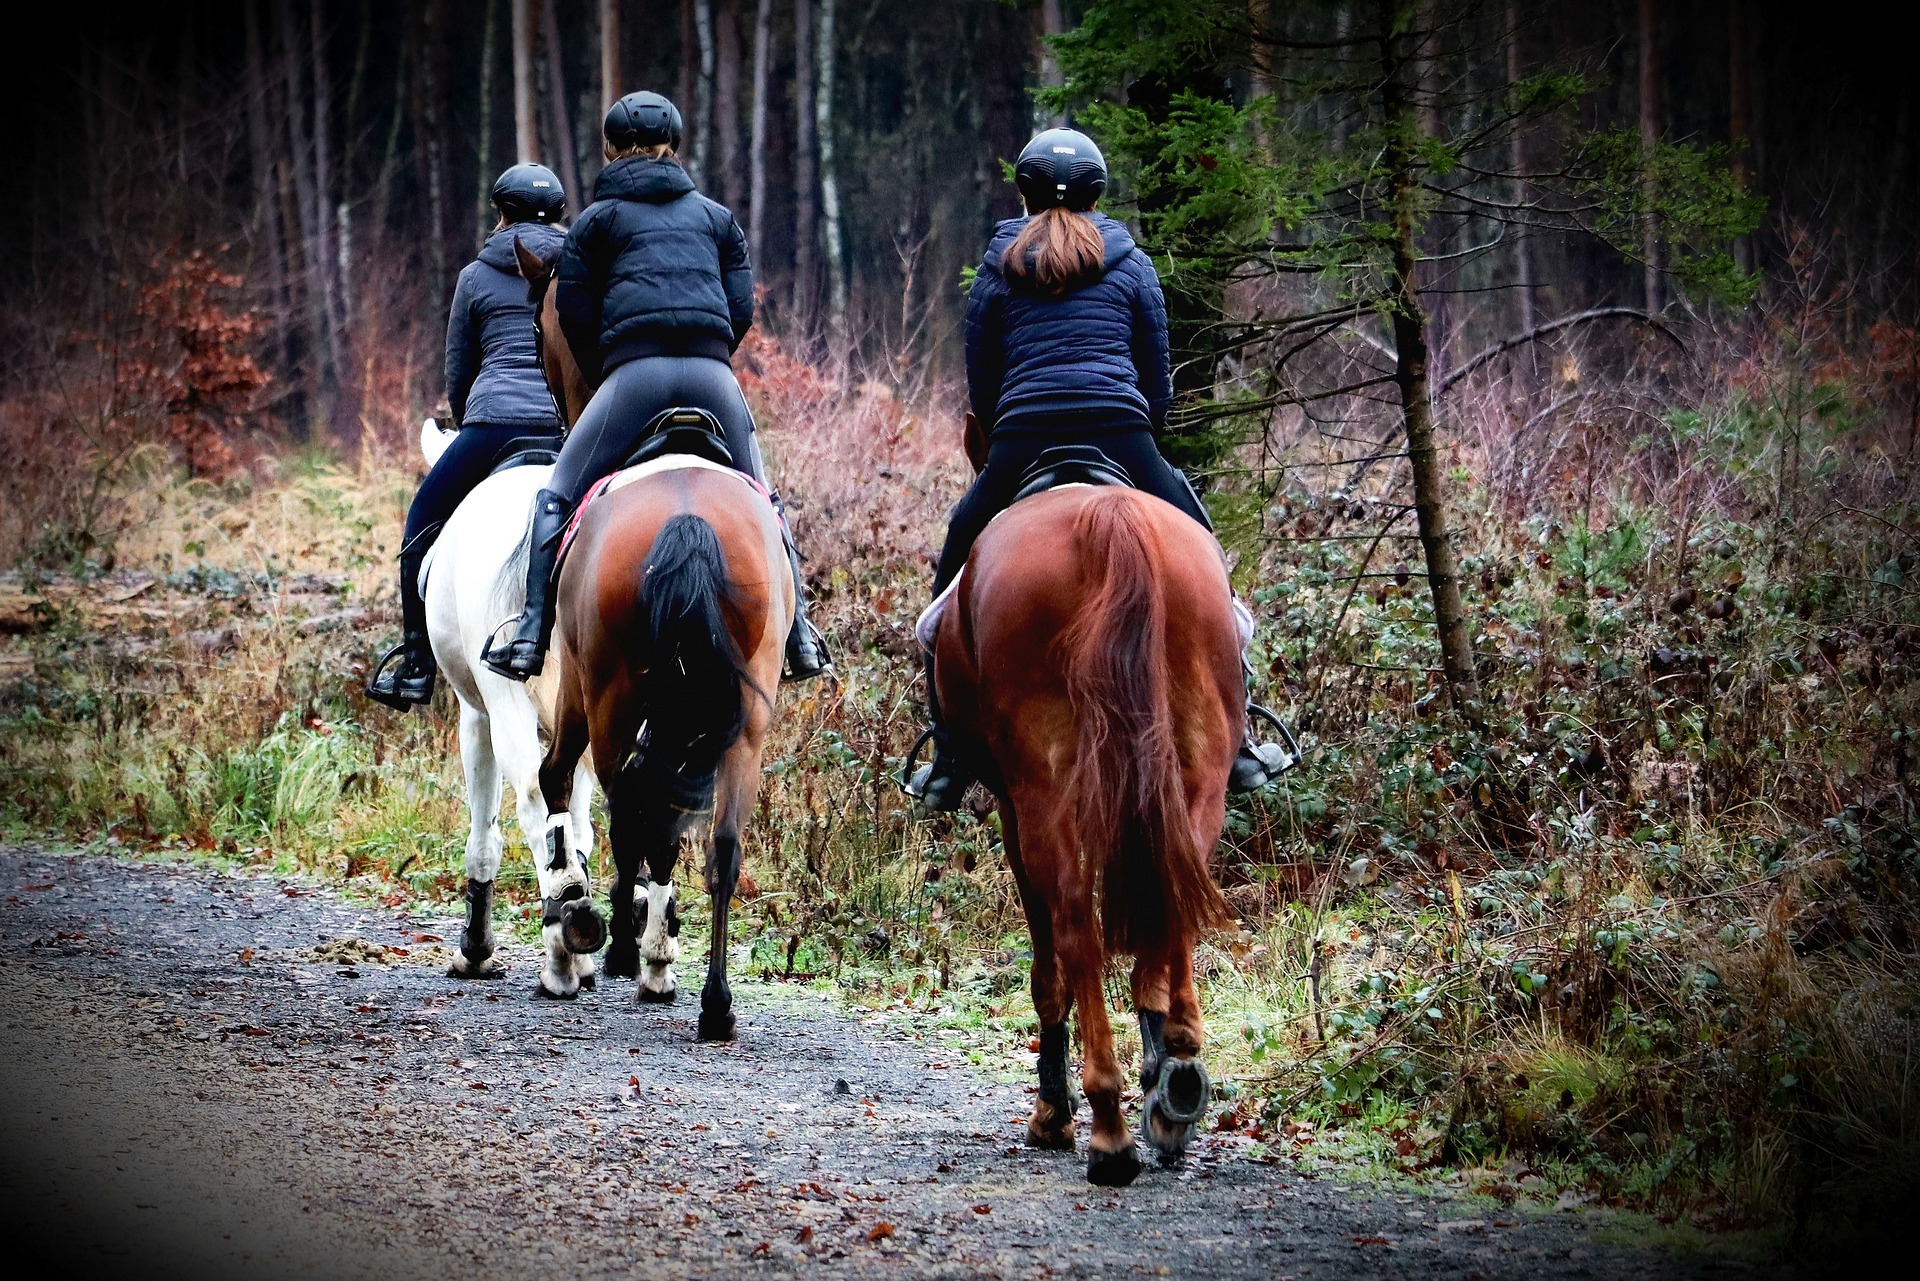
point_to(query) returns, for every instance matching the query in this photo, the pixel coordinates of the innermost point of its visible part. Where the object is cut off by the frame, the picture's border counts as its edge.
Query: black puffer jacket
(652, 268)
(493, 369)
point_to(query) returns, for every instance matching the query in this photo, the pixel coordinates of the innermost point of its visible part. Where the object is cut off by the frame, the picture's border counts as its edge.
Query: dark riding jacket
(1091, 360)
(493, 368)
(652, 268)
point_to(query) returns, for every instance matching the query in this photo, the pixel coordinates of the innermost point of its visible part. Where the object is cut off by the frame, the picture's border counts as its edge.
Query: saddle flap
(682, 430)
(1070, 465)
(529, 451)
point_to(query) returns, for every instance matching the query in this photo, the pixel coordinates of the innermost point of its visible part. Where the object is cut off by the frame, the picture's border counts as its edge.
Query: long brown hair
(1056, 249)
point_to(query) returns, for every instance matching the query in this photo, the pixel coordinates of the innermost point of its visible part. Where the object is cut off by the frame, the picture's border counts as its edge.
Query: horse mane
(1127, 790)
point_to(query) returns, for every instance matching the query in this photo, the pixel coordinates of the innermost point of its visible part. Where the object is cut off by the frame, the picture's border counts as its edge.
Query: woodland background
(1599, 881)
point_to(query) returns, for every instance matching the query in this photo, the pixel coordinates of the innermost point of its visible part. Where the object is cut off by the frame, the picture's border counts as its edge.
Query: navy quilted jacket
(493, 369)
(1093, 359)
(652, 268)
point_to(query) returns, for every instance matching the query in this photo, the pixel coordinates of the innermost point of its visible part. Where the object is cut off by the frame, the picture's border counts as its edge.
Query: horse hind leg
(1051, 1127)
(1173, 1080)
(569, 924)
(738, 785)
(645, 837)
(473, 958)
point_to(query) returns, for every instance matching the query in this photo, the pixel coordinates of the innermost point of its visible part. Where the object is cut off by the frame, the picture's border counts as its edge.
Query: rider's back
(492, 365)
(1090, 358)
(654, 268)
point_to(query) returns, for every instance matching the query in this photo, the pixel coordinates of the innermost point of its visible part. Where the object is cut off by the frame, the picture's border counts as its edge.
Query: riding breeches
(1009, 457)
(628, 400)
(475, 450)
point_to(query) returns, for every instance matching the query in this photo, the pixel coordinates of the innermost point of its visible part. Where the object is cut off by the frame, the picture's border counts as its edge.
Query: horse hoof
(484, 968)
(588, 982)
(622, 962)
(1183, 1091)
(541, 989)
(1113, 1169)
(650, 997)
(1050, 1138)
(581, 928)
(716, 1027)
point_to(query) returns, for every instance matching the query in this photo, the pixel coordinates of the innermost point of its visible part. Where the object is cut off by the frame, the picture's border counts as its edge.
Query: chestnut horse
(1089, 663)
(672, 612)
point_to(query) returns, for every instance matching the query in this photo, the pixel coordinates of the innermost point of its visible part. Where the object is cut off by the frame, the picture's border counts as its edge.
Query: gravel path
(192, 1090)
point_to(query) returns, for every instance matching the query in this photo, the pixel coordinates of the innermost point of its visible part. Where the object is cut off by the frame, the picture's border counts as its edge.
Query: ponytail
(1056, 249)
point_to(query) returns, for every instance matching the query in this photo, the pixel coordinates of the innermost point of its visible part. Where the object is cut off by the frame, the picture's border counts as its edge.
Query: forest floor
(216, 1074)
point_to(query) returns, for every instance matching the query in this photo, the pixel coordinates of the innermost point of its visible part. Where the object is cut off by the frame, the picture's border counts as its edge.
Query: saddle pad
(652, 467)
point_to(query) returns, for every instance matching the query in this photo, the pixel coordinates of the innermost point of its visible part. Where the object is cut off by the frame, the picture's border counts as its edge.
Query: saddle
(529, 451)
(682, 430)
(1070, 465)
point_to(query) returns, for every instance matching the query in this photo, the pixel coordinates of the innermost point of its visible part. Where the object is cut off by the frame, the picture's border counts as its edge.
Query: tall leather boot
(807, 655)
(524, 654)
(1260, 763)
(411, 684)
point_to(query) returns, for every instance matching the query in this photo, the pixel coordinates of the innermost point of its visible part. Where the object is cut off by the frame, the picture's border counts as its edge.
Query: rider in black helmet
(1066, 345)
(654, 293)
(497, 395)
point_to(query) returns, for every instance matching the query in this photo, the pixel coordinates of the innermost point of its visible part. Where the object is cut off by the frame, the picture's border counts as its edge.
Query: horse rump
(1127, 789)
(696, 680)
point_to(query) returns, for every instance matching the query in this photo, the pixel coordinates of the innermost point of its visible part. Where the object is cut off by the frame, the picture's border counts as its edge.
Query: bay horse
(672, 611)
(1089, 665)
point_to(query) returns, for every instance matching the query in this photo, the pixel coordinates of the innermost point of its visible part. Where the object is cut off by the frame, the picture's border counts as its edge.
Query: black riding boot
(807, 655)
(525, 653)
(1260, 763)
(942, 783)
(412, 684)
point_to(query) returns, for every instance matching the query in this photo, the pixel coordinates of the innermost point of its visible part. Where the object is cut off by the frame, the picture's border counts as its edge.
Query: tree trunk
(306, 199)
(566, 148)
(1517, 162)
(829, 183)
(1410, 364)
(326, 215)
(1740, 114)
(1052, 23)
(700, 153)
(526, 130)
(609, 57)
(805, 161)
(266, 212)
(757, 144)
(689, 69)
(431, 147)
(489, 54)
(1649, 140)
(728, 183)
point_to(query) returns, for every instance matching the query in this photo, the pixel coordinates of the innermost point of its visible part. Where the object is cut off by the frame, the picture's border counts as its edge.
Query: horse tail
(1127, 790)
(696, 678)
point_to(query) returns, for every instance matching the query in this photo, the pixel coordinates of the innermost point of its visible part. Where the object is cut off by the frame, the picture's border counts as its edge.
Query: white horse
(475, 579)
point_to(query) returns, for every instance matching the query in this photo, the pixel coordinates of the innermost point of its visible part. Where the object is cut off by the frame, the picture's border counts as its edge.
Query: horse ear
(976, 443)
(533, 268)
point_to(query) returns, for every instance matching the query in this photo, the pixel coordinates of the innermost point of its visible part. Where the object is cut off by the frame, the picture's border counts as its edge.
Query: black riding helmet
(643, 119)
(1060, 168)
(529, 193)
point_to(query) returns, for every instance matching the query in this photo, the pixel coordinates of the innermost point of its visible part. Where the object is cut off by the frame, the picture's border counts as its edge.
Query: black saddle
(682, 430)
(529, 451)
(1070, 465)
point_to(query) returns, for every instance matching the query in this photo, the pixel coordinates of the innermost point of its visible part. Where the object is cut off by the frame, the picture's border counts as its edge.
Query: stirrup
(1260, 763)
(392, 693)
(499, 655)
(807, 655)
(920, 783)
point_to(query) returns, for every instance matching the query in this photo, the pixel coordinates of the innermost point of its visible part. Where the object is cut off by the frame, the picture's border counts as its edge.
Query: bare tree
(1517, 149)
(1649, 138)
(702, 142)
(805, 161)
(1053, 22)
(489, 54)
(307, 203)
(609, 53)
(565, 146)
(266, 214)
(757, 145)
(829, 181)
(727, 183)
(526, 132)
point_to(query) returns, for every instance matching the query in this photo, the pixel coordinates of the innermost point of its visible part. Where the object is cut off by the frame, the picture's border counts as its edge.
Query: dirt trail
(188, 1092)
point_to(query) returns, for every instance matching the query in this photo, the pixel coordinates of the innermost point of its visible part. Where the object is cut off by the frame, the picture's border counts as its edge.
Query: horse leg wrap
(476, 937)
(1054, 1087)
(1153, 1046)
(552, 908)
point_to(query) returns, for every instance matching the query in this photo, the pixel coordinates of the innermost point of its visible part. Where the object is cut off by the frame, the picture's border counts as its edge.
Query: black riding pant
(1009, 457)
(476, 449)
(627, 401)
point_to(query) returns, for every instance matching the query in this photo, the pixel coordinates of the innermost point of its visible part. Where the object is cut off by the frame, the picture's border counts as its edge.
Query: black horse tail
(696, 682)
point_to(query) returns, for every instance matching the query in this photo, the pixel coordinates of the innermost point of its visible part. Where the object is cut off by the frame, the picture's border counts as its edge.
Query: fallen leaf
(983, 1209)
(880, 1231)
(805, 1235)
